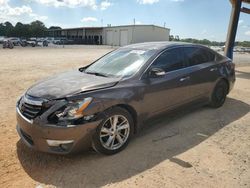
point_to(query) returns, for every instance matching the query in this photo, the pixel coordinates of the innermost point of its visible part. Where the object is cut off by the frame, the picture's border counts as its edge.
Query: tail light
(231, 67)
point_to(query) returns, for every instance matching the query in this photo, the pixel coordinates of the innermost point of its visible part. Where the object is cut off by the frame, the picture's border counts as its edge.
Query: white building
(124, 35)
(114, 36)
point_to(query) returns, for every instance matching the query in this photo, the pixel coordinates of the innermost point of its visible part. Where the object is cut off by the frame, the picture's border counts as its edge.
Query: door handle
(213, 69)
(184, 78)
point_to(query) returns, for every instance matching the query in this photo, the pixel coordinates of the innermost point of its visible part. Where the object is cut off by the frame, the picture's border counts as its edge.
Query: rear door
(203, 70)
(170, 90)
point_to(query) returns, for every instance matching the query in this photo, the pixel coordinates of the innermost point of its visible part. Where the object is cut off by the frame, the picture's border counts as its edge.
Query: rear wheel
(219, 94)
(114, 132)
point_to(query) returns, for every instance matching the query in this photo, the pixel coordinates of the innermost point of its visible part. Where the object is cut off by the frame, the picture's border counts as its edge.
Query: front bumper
(40, 137)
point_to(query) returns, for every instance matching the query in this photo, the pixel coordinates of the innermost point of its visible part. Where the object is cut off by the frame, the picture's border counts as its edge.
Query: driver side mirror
(156, 73)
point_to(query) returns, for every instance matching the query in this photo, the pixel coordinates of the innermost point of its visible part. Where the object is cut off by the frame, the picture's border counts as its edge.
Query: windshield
(120, 63)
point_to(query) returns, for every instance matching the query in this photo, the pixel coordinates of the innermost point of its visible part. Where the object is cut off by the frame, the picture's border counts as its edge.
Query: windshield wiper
(97, 74)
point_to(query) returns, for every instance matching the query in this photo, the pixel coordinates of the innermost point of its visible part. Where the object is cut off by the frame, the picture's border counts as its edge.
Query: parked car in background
(50, 39)
(8, 44)
(105, 103)
(16, 41)
(42, 42)
(2, 38)
(216, 48)
(31, 42)
(57, 41)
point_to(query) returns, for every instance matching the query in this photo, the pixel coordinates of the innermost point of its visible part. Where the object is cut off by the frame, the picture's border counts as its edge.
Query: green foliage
(34, 29)
(8, 28)
(174, 38)
(54, 27)
(204, 42)
(212, 43)
(243, 44)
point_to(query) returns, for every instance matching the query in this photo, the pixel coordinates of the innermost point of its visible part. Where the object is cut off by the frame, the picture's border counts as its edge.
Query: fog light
(66, 147)
(55, 143)
(87, 118)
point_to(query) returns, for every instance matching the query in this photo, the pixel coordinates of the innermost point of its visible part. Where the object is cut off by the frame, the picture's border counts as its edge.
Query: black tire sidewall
(214, 103)
(96, 143)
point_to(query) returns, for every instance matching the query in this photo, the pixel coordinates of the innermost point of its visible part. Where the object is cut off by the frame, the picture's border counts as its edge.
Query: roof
(156, 45)
(80, 28)
(76, 28)
(138, 25)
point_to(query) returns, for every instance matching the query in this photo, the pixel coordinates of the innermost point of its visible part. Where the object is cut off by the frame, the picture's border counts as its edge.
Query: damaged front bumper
(55, 139)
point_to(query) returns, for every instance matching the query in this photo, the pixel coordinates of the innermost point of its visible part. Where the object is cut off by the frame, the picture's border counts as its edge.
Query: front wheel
(114, 132)
(219, 94)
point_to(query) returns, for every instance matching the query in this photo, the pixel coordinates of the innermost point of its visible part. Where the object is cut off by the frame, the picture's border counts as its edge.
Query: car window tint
(210, 55)
(196, 56)
(170, 60)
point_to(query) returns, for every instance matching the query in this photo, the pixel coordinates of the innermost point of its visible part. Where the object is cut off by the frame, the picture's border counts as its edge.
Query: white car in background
(2, 39)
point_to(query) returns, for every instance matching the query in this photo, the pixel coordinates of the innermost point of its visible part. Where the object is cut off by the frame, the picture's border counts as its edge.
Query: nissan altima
(102, 105)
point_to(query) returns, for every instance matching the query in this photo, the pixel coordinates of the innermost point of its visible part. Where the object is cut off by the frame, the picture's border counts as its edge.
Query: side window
(170, 60)
(196, 56)
(210, 56)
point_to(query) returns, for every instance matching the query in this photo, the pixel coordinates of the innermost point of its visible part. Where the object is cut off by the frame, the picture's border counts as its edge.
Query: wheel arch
(216, 82)
(131, 111)
(226, 81)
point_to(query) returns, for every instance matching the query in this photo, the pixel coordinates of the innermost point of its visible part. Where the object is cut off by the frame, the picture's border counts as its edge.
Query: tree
(8, 29)
(171, 37)
(19, 30)
(54, 27)
(2, 30)
(37, 29)
(177, 38)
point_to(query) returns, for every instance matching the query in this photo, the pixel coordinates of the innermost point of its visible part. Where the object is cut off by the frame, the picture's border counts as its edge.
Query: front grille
(30, 111)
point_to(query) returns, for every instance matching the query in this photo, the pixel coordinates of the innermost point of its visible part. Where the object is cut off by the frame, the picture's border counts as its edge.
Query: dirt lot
(196, 148)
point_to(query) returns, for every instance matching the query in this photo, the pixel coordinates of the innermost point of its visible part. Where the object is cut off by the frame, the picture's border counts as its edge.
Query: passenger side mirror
(156, 72)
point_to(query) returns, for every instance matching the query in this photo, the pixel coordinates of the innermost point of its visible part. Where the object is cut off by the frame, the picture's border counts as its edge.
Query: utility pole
(232, 28)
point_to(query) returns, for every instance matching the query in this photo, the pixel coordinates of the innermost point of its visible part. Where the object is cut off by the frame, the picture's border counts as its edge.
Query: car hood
(69, 83)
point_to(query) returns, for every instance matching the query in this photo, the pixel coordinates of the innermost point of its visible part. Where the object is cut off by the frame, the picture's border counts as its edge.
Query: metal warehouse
(114, 36)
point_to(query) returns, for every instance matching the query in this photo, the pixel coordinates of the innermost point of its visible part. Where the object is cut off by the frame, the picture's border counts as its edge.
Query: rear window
(196, 56)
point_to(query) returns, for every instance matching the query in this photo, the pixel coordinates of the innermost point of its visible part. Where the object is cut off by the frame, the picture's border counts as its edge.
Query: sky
(187, 18)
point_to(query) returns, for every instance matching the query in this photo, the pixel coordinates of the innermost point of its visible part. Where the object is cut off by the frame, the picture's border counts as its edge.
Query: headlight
(20, 97)
(74, 110)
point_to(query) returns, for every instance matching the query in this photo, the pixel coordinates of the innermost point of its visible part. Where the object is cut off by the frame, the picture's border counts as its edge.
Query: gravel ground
(192, 148)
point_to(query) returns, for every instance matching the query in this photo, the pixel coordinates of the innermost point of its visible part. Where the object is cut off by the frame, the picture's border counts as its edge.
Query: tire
(45, 44)
(219, 94)
(109, 139)
(11, 45)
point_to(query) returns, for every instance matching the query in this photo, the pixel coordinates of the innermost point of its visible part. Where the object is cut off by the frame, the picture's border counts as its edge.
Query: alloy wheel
(114, 132)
